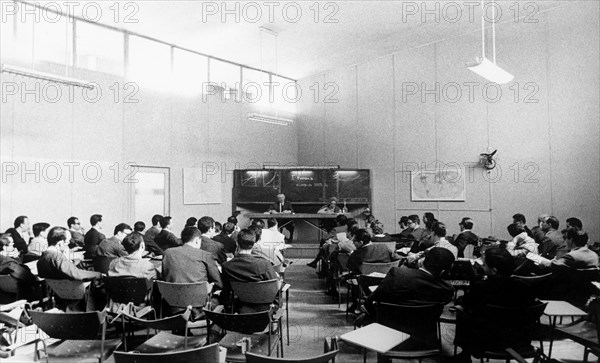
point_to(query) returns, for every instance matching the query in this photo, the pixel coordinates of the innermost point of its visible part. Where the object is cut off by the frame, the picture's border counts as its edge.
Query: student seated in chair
(499, 289)
(133, 264)
(246, 267)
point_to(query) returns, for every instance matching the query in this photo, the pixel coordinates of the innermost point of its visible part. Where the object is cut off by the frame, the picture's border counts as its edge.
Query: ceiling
(312, 37)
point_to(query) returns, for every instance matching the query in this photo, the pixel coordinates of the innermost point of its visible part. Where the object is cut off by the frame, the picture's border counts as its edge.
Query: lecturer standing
(281, 206)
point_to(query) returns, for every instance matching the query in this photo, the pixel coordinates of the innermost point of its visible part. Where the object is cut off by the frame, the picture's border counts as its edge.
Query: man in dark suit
(207, 228)
(404, 285)
(553, 244)
(366, 251)
(166, 239)
(112, 247)
(417, 234)
(498, 289)
(226, 239)
(189, 263)
(93, 237)
(20, 234)
(151, 234)
(281, 206)
(465, 237)
(246, 267)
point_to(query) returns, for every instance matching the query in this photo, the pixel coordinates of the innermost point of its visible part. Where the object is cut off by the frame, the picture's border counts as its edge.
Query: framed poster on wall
(444, 185)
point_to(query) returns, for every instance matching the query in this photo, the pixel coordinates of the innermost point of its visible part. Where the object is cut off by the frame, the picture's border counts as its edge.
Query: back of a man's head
(165, 222)
(139, 226)
(233, 220)
(39, 228)
(189, 233)
(121, 227)
(501, 260)
(575, 223)
(414, 218)
(271, 222)
(467, 223)
(362, 235)
(514, 229)
(438, 260)
(191, 222)
(439, 229)
(156, 219)
(519, 218)
(553, 222)
(257, 230)
(341, 220)
(246, 239)
(228, 228)
(132, 242)
(377, 228)
(579, 238)
(95, 218)
(205, 224)
(56, 235)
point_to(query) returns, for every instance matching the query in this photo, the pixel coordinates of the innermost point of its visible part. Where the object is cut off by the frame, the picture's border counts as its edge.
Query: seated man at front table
(112, 247)
(281, 206)
(331, 208)
(246, 267)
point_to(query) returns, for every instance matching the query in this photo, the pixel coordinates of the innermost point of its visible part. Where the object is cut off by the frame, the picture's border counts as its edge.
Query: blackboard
(251, 186)
(310, 186)
(303, 185)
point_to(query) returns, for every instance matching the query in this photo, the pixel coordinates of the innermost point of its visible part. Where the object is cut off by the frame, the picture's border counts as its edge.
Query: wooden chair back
(70, 326)
(127, 289)
(241, 323)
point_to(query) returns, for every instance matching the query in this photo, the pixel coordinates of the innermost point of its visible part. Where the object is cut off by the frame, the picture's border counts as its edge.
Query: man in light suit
(465, 237)
(133, 264)
(281, 206)
(579, 256)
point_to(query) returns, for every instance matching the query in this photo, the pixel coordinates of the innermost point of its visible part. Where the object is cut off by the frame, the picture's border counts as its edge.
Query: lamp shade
(490, 71)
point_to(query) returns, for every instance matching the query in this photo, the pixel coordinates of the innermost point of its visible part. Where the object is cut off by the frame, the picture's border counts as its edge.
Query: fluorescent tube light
(270, 119)
(491, 71)
(46, 76)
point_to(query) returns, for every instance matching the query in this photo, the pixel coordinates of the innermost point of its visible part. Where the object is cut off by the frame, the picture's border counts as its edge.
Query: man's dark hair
(258, 222)
(121, 227)
(439, 229)
(271, 222)
(205, 224)
(351, 222)
(233, 220)
(579, 238)
(95, 218)
(341, 220)
(132, 242)
(363, 236)
(4, 240)
(438, 260)
(257, 230)
(246, 239)
(467, 222)
(575, 222)
(519, 218)
(377, 228)
(553, 222)
(191, 222)
(228, 228)
(39, 228)
(514, 229)
(403, 220)
(71, 221)
(56, 235)
(156, 219)
(501, 260)
(19, 220)
(189, 233)
(218, 227)
(165, 221)
(139, 226)
(415, 218)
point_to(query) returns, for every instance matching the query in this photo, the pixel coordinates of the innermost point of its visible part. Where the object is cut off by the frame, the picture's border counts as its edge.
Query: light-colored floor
(315, 316)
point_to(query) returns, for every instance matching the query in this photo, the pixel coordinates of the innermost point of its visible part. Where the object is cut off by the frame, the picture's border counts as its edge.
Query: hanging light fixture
(484, 67)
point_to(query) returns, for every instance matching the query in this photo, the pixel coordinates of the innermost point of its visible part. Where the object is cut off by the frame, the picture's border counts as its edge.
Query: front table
(306, 217)
(555, 309)
(375, 337)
